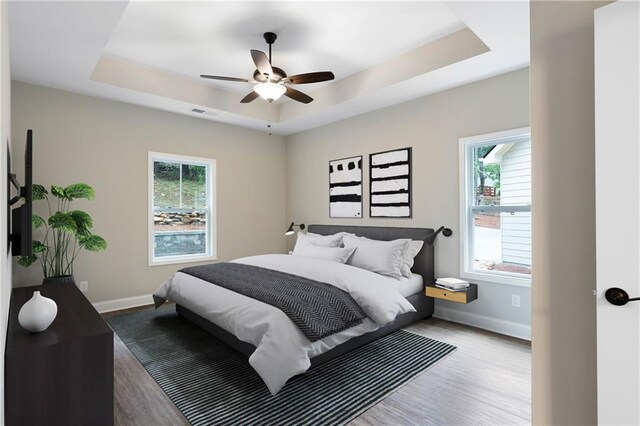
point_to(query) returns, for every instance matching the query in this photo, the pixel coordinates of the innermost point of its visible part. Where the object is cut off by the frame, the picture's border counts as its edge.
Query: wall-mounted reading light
(290, 230)
(431, 238)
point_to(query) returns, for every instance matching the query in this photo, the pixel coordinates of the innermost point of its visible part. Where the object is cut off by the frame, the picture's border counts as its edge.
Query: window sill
(486, 278)
(182, 259)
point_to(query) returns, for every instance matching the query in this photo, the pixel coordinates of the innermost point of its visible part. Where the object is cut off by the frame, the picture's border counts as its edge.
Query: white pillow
(382, 257)
(410, 252)
(319, 240)
(334, 254)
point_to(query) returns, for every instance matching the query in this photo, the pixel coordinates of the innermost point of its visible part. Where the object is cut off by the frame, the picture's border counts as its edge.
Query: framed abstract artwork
(390, 183)
(345, 188)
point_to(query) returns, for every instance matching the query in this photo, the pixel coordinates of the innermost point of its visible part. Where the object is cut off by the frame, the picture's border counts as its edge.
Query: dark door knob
(617, 296)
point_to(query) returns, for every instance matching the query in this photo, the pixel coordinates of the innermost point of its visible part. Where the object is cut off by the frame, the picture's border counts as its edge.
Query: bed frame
(423, 265)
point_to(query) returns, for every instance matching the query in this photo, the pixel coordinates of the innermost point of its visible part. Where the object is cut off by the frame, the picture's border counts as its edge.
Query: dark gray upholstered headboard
(424, 260)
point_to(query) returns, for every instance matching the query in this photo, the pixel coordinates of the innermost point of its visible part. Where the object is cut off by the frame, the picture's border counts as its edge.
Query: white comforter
(282, 351)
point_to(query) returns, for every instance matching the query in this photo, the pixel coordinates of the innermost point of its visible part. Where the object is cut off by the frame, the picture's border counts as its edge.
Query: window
(495, 207)
(181, 209)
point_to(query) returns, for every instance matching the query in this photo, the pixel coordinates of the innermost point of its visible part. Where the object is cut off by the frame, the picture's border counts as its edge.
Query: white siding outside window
(515, 189)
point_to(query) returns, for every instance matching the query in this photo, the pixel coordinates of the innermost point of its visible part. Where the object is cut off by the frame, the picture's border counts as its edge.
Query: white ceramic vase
(38, 313)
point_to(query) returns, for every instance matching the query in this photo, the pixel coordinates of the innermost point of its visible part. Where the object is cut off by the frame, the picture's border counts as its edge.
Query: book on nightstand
(451, 289)
(453, 284)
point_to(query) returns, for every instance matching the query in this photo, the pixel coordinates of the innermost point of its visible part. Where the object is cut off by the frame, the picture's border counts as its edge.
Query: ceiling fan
(270, 82)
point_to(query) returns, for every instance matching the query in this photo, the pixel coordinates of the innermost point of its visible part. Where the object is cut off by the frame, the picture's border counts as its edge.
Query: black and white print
(345, 187)
(390, 183)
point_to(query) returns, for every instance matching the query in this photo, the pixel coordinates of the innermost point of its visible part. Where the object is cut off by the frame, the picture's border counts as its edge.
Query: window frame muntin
(210, 234)
(467, 207)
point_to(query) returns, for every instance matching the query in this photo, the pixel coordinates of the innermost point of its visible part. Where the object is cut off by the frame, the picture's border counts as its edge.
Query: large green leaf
(36, 221)
(93, 243)
(27, 261)
(58, 191)
(64, 222)
(83, 222)
(79, 190)
(39, 192)
(38, 247)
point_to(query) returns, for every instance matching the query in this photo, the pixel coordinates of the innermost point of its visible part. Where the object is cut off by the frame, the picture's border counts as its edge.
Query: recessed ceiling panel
(152, 53)
(193, 38)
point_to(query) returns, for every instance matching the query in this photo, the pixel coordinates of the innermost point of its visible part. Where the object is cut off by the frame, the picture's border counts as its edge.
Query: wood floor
(486, 381)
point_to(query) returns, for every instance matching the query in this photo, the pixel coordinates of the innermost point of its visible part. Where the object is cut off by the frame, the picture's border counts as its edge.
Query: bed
(244, 337)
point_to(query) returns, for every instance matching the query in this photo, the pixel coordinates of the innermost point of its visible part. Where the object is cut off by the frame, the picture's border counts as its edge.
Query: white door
(617, 101)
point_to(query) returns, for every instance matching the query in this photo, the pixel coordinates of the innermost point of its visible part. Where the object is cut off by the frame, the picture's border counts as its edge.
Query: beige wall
(105, 144)
(5, 135)
(564, 250)
(431, 125)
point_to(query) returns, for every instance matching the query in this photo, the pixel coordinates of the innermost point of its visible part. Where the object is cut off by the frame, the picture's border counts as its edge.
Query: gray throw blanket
(317, 309)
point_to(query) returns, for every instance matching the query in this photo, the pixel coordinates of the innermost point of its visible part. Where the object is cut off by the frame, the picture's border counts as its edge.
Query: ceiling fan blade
(217, 77)
(298, 96)
(250, 97)
(262, 62)
(311, 77)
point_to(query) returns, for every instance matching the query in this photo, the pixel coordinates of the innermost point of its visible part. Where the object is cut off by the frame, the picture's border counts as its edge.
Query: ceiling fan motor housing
(278, 74)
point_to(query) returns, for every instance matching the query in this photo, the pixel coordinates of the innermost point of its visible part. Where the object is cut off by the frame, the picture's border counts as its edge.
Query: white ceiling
(189, 39)
(409, 49)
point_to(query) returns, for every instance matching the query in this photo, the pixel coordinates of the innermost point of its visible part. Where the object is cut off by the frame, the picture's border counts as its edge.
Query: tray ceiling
(151, 53)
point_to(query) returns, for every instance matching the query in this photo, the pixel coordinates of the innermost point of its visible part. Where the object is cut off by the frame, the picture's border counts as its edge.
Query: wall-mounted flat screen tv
(21, 227)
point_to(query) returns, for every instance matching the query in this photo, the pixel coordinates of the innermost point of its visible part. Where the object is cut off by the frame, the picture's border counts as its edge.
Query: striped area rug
(211, 383)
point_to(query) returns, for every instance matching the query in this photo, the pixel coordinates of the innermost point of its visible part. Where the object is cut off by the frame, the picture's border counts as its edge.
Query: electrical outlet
(83, 285)
(515, 300)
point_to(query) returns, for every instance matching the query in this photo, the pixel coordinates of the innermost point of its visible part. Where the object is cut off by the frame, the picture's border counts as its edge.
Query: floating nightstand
(467, 296)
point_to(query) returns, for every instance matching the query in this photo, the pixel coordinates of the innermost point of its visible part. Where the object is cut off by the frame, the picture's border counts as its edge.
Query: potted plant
(67, 232)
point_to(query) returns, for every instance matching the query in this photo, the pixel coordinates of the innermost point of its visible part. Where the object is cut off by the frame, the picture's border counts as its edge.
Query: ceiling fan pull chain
(270, 119)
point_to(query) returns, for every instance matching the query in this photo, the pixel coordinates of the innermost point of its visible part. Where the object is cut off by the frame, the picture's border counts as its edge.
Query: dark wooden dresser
(63, 375)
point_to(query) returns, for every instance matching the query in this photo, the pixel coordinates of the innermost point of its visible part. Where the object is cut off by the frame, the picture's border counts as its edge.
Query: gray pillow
(381, 257)
(304, 240)
(410, 252)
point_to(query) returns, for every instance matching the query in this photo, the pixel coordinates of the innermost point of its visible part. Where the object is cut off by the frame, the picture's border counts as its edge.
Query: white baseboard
(509, 328)
(125, 303)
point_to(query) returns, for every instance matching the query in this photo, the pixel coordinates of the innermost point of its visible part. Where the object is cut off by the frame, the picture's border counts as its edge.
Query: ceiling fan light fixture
(269, 91)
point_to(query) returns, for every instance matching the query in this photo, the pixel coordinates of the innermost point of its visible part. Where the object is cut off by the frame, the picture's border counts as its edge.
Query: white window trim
(466, 261)
(211, 202)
